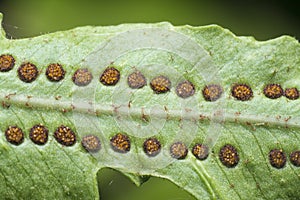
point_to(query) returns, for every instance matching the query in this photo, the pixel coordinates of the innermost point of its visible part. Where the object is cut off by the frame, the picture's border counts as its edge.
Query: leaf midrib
(90, 108)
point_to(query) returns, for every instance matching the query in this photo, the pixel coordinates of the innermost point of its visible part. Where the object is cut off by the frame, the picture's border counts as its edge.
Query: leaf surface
(202, 55)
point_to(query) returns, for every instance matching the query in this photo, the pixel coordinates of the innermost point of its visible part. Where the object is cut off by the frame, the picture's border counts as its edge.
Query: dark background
(261, 19)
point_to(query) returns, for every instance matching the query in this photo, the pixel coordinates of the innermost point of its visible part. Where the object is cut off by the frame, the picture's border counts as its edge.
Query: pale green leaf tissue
(202, 55)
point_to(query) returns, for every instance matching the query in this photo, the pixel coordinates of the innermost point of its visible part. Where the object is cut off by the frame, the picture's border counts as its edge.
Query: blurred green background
(261, 19)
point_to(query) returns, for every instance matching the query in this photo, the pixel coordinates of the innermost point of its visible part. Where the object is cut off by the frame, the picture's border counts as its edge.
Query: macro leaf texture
(208, 55)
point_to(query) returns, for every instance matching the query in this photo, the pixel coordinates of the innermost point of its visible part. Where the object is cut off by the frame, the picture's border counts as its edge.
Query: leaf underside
(201, 55)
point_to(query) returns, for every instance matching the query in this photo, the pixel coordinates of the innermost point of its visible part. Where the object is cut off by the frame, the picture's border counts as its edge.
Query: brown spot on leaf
(136, 80)
(212, 92)
(160, 84)
(178, 150)
(82, 77)
(185, 89)
(28, 72)
(273, 91)
(120, 143)
(14, 135)
(241, 92)
(152, 147)
(7, 62)
(65, 136)
(55, 72)
(277, 158)
(110, 76)
(91, 143)
(229, 156)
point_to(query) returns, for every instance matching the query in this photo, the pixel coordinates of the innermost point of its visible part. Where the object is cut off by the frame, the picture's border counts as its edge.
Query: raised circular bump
(39, 134)
(152, 147)
(212, 92)
(82, 77)
(110, 76)
(14, 135)
(241, 92)
(91, 143)
(295, 158)
(120, 143)
(277, 158)
(200, 151)
(273, 91)
(55, 72)
(136, 80)
(7, 62)
(178, 150)
(28, 72)
(65, 135)
(229, 156)
(160, 84)
(291, 93)
(185, 89)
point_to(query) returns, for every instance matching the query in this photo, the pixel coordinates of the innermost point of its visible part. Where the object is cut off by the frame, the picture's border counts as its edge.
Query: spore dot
(291, 93)
(7, 62)
(212, 92)
(28, 72)
(110, 76)
(277, 158)
(136, 80)
(185, 89)
(91, 143)
(229, 156)
(178, 150)
(82, 77)
(200, 151)
(39, 134)
(242, 92)
(120, 143)
(160, 84)
(55, 72)
(14, 135)
(65, 136)
(152, 147)
(273, 91)
(295, 158)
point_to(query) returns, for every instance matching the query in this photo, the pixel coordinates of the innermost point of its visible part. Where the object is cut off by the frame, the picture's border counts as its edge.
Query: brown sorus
(28, 72)
(160, 84)
(241, 92)
(91, 143)
(65, 136)
(55, 72)
(110, 76)
(82, 77)
(120, 143)
(277, 158)
(136, 80)
(212, 92)
(14, 135)
(229, 156)
(200, 151)
(185, 89)
(39, 134)
(291, 93)
(7, 62)
(152, 147)
(273, 91)
(295, 158)
(178, 150)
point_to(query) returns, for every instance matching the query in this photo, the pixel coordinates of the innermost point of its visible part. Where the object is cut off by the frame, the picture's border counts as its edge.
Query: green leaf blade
(202, 55)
